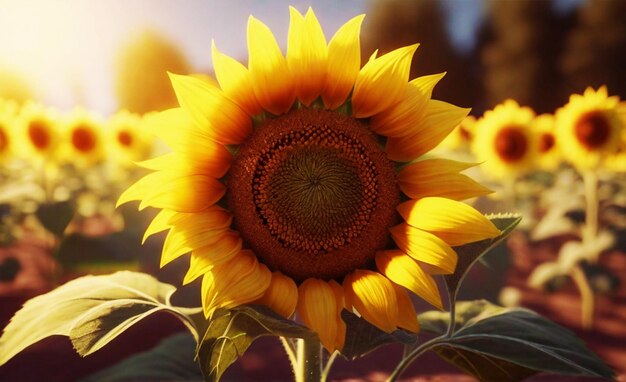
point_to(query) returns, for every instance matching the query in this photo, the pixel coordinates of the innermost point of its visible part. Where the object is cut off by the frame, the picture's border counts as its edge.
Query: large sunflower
(284, 181)
(505, 141)
(589, 128)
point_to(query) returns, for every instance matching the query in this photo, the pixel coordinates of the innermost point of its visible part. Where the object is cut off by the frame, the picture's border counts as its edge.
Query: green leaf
(468, 254)
(91, 310)
(229, 333)
(56, 216)
(510, 344)
(363, 337)
(171, 360)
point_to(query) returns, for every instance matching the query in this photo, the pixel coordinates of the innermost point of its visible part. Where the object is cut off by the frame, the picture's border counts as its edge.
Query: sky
(67, 48)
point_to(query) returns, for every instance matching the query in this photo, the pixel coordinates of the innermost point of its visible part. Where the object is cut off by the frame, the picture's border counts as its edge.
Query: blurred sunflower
(504, 140)
(7, 134)
(83, 139)
(461, 137)
(589, 128)
(128, 137)
(39, 130)
(283, 181)
(548, 155)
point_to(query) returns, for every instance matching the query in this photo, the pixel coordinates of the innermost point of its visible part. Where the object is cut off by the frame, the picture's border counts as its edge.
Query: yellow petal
(182, 193)
(400, 119)
(213, 163)
(318, 309)
(192, 231)
(271, 79)
(236, 282)
(374, 298)
(382, 82)
(159, 224)
(403, 270)
(439, 121)
(344, 62)
(307, 55)
(281, 296)
(235, 80)
(439, 177)
(407, 317)
(425, 247)
(211, 109)
(205, 258)
(455, 222)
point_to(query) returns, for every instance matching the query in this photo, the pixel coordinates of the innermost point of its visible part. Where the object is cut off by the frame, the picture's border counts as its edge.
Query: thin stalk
(328, 365)
(413, 356)
(586, 296)
(309, 361)
(290, 353)
(452, 324)
(591, 213)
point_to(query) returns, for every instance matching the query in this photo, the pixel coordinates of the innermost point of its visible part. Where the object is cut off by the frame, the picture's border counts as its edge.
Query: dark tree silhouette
(391, 24)
(519, 45)
(595, 51)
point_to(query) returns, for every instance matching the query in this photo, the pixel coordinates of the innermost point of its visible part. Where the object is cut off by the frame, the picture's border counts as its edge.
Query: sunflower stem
(328, 365)
(309, 358)
(406, 361)
(591, 214)
(452, 323)
(586, 296)
(289, 349)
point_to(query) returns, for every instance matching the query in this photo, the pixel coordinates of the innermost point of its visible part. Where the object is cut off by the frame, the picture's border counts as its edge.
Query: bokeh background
(107, 56)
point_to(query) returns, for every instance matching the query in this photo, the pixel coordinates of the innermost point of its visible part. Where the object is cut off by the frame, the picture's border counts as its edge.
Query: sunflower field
(391, 190)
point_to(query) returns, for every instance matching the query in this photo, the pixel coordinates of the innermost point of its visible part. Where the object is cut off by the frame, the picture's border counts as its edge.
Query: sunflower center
(313, 194)
(592, 130)
(546, 142)
(125, 138)
(511, 144)
(83, 139)
(38, 135)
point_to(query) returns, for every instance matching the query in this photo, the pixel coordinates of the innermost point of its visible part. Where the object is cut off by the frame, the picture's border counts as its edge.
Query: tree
(142, 84)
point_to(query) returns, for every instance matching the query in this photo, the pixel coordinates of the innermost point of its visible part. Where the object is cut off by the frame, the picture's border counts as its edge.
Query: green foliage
(171, 360)
(468, 254)
(56, 216)
(91, 311)
(230, 332)
(495, 343)
(363, 337)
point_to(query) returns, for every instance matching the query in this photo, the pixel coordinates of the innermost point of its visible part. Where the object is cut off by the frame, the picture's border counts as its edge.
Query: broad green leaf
(363, 337)
(56, 216)
(91, 310)
(229, 333)
(510, 344)
(171, 360)
(468, 254)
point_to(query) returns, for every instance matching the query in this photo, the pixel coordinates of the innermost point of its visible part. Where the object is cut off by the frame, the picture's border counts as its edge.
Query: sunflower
(7, 141)
(39, 131)
(504, 140)
(589, 128)
(83, 143)
(128, 137)
(284, 181)
(548, 155)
